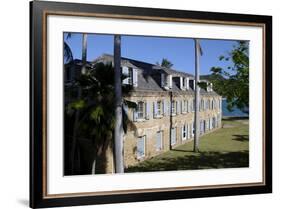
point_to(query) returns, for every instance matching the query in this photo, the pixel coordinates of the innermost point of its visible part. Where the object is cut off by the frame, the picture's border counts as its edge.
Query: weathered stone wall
(149, 127)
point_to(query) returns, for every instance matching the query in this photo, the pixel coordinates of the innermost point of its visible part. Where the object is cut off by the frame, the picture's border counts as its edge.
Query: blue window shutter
(178, 107)
(159, 140)
(164, 107)
(154, 109)
(181, 105)
(187, 131)
(147, 110)
(135, 77)
(167, 107)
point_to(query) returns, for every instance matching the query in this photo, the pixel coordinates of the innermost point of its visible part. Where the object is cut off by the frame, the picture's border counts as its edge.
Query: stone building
(164, 117)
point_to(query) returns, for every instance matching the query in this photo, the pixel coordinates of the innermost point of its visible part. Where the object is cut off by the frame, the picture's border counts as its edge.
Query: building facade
(164, 113)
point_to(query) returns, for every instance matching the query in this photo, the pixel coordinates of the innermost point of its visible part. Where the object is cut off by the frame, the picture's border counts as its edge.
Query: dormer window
(186, 83)
(209, 87)
(166, 81)
(131, 76)
(192, 84)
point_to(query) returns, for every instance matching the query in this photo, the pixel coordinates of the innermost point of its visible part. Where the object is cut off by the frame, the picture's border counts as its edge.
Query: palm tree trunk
(118, 131)
(77, 114)
(197, 98)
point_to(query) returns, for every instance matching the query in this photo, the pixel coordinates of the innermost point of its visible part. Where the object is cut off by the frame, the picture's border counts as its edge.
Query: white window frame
(139, 112)
(144, 148)
(159, 108)
(173, 107)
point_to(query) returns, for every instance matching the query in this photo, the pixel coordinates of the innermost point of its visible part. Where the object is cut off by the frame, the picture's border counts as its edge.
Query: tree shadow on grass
(181, 150)
(235, 118)
(241, 138)
(203, 160)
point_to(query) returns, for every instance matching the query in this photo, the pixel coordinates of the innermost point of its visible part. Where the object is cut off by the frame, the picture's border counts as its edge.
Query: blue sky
(180, 51)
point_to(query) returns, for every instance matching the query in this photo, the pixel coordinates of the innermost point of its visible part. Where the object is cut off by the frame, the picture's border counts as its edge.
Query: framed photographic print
(140, 104)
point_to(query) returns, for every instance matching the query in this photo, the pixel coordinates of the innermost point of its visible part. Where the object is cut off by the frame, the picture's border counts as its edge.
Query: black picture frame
(38, 12)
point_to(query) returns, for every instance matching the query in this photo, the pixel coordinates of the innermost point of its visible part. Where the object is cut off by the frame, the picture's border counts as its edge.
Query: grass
(227, 147)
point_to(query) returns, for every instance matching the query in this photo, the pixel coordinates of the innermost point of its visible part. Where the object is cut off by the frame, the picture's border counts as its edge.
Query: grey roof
(151, 68)
(149, 79)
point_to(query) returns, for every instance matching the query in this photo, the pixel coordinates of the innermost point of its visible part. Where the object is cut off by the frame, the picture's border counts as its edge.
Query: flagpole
(197, 97)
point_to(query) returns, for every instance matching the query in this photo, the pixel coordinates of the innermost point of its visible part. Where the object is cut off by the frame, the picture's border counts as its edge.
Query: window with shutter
(159, 108)
(214, 122)
(173, 107)
(147, 110)
(173, 136)
(159, 140)
(193, 105)
(193, 128)
(140, 110)
(164, 108)
(178, 107)
(167, 107)
(188, 131)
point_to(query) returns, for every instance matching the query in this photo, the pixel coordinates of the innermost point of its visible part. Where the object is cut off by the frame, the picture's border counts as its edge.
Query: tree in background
(165, 63)
(95, 123)
(67, 53)
(233, 82)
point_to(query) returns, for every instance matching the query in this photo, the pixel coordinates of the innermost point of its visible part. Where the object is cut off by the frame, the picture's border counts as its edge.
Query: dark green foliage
(67, 53)
(233, 82)
(96, 119)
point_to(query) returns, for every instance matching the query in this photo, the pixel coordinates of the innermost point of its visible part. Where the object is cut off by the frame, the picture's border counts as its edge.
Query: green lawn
(227, 147)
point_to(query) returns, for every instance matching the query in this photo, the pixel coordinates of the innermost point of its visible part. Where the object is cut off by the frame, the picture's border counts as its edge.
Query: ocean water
(235, 113)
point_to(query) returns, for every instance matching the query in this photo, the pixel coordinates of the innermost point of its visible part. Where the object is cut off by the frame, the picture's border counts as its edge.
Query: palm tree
(118, 130)
(165, 63)
(67, 53)
(198, 52)
(96, 121)
(77, 113)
